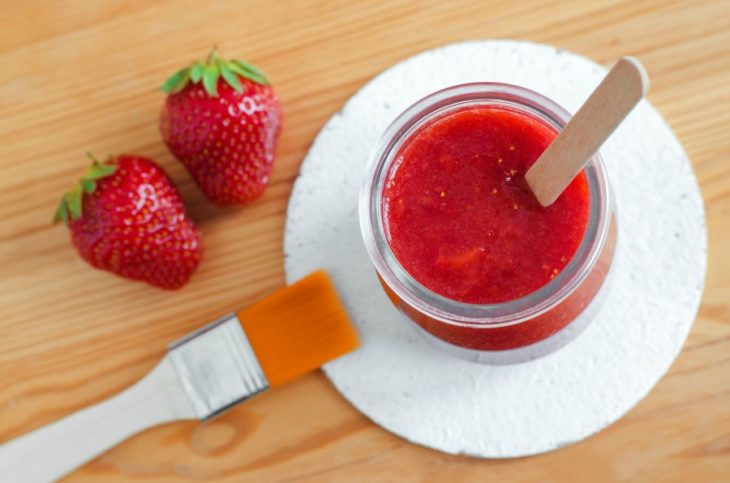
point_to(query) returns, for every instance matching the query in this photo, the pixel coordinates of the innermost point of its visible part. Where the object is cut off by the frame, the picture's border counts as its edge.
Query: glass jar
(513, 331)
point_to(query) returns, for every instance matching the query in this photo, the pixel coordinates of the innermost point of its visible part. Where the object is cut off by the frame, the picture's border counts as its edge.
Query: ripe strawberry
(222, 120)
(126, 217)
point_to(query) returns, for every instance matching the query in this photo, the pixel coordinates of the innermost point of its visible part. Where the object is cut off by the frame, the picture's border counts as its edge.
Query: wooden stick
(604, 110)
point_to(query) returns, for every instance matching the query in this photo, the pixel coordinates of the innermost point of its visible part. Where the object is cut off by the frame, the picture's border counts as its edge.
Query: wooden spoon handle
(608, 105)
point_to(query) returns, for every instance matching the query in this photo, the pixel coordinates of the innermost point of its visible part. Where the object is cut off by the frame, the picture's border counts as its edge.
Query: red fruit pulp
(460, 217)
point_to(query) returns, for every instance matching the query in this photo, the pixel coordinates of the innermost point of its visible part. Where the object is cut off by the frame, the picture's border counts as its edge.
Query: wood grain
(77, 76)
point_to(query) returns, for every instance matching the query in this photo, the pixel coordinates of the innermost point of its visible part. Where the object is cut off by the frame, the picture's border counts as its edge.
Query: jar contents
(460, 217)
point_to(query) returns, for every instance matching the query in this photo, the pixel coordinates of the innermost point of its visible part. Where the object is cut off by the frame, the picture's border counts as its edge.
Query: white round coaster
(407, 386)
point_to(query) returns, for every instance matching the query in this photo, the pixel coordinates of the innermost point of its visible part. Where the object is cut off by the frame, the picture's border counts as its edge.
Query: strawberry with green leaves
(222, 120)
(126, 216)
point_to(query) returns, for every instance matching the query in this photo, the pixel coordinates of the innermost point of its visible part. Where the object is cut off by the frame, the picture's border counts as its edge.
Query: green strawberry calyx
(71, 204)
(212, 69)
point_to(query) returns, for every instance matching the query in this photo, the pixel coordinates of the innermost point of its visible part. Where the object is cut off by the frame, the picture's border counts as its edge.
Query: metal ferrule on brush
(217, 366)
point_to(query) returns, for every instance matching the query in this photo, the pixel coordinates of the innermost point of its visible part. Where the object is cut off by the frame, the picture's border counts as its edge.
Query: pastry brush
(290, 333)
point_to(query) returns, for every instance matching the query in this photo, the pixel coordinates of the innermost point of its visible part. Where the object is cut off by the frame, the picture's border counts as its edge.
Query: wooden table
(78, 76)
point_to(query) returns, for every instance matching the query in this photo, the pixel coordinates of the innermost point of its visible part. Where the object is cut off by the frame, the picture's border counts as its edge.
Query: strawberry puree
(460, 218)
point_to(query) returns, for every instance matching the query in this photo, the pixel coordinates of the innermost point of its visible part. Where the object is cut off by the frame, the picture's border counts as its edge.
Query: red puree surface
(460, 217)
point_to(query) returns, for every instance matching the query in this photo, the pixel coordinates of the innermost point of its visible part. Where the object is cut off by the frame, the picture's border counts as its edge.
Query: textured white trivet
(405, 385)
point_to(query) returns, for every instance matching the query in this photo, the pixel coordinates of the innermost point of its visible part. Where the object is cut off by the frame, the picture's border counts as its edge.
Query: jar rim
(437, 306)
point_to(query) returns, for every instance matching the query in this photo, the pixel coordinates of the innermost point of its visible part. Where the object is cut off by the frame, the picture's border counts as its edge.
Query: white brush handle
(52, 451)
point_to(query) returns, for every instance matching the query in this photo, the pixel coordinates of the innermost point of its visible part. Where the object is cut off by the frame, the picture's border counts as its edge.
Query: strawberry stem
(213, 54)
(91, 157)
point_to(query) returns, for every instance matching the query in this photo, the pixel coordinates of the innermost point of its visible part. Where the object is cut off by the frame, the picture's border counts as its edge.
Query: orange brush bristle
(298, 328)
